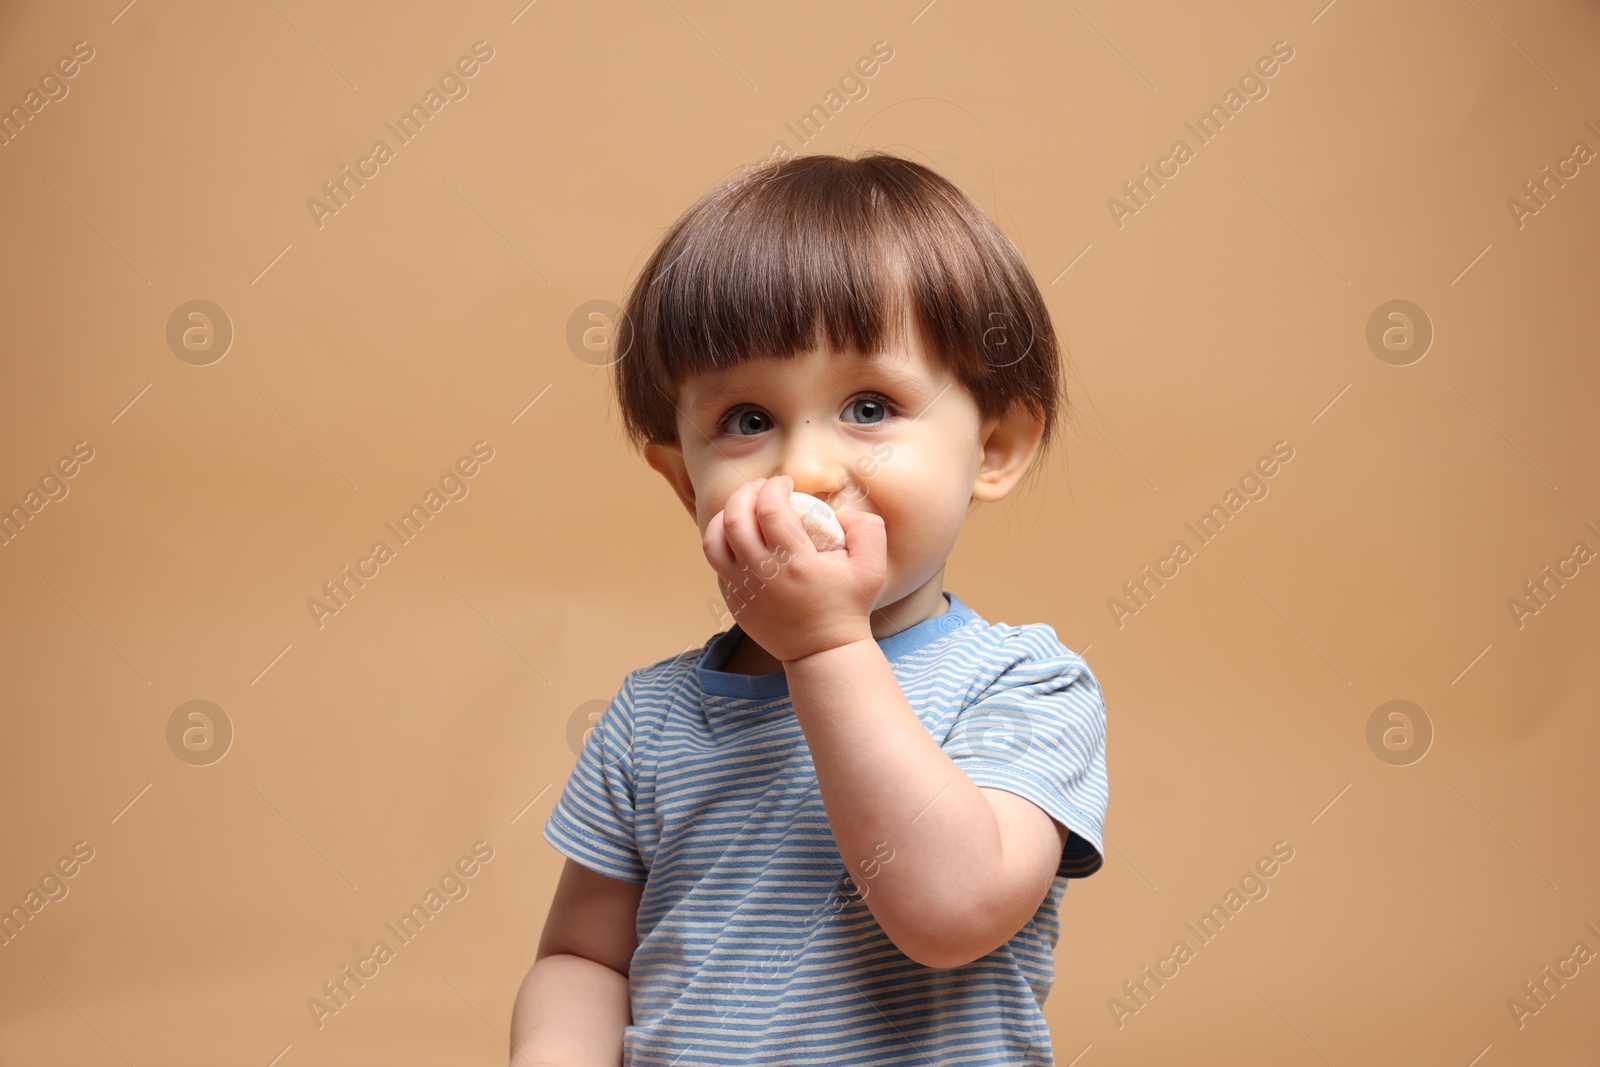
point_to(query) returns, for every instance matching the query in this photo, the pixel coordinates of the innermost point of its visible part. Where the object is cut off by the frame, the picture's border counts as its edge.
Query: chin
(892, 594)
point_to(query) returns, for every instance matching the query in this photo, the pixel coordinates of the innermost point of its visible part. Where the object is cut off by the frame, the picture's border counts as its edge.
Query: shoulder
(1006, 656)
(646, 694)
(649, 694)
(665, 676)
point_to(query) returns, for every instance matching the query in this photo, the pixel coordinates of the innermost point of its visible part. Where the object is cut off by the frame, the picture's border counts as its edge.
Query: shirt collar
(714, 681)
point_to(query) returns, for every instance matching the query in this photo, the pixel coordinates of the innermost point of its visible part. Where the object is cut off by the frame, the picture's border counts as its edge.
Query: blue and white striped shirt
(755, 947)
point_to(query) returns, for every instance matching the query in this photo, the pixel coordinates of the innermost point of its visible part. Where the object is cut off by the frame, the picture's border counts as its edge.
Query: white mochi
(820, 523)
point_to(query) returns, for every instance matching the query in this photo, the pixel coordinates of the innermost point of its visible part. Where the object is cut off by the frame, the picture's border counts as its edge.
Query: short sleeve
(593, 819)
(1039, 730)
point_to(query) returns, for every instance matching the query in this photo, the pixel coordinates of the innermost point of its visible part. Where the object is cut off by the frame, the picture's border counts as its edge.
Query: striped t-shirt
(755, 947)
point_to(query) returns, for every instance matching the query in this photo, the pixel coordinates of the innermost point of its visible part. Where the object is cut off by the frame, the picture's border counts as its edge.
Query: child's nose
(816, 462)
(824, 489)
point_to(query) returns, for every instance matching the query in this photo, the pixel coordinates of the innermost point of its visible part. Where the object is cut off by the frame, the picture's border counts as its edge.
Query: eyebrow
(713, 396)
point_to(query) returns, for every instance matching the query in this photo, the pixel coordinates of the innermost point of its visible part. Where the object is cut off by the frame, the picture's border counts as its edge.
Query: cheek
(711, 496)
(922, 510)
(706, 510)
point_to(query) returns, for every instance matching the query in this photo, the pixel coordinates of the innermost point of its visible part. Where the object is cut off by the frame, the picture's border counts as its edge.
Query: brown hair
(773, 261)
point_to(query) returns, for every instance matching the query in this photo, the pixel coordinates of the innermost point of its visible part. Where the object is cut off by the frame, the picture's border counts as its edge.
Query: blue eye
(873, 407)
(740, 419)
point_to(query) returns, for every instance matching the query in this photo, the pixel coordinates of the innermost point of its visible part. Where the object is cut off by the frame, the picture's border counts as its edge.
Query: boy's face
(892, 434)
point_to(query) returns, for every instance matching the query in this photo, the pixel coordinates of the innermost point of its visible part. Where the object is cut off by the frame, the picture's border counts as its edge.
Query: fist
(790, 598)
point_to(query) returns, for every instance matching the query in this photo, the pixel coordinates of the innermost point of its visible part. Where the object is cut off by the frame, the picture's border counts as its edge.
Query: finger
(718, 554)
(865, 537)
(742, 528)
(780, 526)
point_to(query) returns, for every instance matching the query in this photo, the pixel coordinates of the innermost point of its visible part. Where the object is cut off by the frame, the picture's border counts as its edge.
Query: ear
(667, 458)
(1009, 444)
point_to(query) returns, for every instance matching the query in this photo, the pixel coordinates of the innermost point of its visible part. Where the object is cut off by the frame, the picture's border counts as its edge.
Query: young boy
(840, 832)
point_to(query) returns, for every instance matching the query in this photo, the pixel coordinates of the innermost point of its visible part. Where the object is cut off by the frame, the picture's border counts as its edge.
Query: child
(840, 831)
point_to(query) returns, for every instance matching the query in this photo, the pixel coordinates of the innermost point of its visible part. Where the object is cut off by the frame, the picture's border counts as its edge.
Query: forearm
(570, 1012)
(886, 785)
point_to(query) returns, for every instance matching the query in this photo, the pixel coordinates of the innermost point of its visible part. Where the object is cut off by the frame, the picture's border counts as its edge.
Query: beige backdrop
(1441, 459)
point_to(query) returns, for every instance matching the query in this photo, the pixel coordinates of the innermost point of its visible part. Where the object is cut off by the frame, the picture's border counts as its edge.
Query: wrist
(835, 651)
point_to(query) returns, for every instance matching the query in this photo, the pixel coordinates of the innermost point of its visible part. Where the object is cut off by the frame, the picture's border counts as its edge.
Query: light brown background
(427, 314)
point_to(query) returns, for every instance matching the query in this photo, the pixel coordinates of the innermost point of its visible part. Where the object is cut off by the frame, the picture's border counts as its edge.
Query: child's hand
(789, 598)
